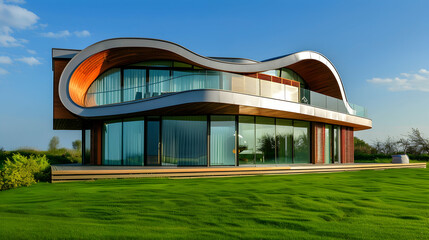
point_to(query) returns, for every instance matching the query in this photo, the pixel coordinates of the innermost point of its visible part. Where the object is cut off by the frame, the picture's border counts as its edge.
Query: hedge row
(361, 156)
(61, 156)
(24, 171)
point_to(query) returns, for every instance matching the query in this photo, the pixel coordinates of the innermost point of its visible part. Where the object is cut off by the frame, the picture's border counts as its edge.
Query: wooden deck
(65, 173)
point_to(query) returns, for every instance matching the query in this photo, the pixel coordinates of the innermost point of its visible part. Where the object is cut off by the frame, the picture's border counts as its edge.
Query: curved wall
(84, 68)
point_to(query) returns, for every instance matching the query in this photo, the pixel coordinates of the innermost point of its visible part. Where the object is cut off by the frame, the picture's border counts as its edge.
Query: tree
(390, 146)
(361, 147)
(378, 146)
(54, 143)
(405, 144)
(419, 144)
(77, 145)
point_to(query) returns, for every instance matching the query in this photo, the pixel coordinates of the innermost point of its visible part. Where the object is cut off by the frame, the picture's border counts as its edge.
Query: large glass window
(301, 142)
(112, 139)
(184, 140)
(265, 140)
(184, 80)
(133, 142)
(134, 81)
(246, 140)
(159, 82)
(152, 142)
(337, 144)
(222, 140)
(284, 135)
(106, 89)
(87, 147)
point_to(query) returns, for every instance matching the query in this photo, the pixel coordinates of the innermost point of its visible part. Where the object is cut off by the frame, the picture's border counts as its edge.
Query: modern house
(148, 102)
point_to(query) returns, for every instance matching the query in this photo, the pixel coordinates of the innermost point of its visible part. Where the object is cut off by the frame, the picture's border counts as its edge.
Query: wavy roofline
(211, 63)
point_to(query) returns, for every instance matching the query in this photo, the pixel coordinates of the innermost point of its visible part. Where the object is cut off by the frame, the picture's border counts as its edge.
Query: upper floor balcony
(135, 83)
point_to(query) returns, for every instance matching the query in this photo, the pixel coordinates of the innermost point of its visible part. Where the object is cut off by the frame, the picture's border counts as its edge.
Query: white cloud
(16, 1)
(31, 51)
(14, 17)
(29, 60)
(5, 60)
(405, 82)
(3, 71)
(83, 33)
(67, 33)
(60, 34)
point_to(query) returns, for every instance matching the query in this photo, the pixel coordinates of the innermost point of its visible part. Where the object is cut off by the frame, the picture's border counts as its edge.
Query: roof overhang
(86, 65)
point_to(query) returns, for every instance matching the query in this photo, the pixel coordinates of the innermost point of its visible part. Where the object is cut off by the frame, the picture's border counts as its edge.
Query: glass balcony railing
(206, 79)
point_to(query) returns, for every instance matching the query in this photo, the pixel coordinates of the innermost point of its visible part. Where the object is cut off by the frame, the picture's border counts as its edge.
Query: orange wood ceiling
(316, 74)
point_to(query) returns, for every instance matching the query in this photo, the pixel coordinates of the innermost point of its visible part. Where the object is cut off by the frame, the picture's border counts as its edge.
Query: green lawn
(389, 204)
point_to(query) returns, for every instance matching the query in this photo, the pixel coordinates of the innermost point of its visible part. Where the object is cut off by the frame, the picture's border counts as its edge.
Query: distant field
(389, 204)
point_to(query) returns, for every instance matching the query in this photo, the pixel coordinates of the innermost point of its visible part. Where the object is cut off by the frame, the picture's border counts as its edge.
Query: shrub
(24, 171)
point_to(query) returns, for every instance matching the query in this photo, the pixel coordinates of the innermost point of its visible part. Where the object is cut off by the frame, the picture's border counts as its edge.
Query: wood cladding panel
(318, 143)
(63, 119)
(347, 145)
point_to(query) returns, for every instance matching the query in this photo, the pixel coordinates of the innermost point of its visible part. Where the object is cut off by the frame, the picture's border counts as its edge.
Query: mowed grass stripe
(389, 204)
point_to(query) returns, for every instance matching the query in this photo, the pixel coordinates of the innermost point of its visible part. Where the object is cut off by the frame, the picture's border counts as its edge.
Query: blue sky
(380, 48)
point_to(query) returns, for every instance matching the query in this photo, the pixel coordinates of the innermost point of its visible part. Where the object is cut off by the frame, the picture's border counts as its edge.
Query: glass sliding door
(112, 141)
(284, 136)
(87, 147)
(153, 142)
(246, 140)
(337, 144)
(184, 140)
(328, 144)
(265, 140)
(133, 142)
(222, 140)
(301, 142)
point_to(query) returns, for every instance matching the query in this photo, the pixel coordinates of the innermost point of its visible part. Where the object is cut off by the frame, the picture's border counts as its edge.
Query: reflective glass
(112, 139)
(185, 80)
(328, 136)
(284, 136)
(134, 81)
(152, 142)
(133, 140)
(337, 144)
(159, 83)
(184, 140)
(106, 89)
(87, 147)
(301, 142)
(246, 140)
(265, 140)
(222, 140)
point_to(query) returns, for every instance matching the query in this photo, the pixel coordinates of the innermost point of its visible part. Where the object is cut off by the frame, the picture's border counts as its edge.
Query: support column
(347, 145)
(318, 143)
(96, 142)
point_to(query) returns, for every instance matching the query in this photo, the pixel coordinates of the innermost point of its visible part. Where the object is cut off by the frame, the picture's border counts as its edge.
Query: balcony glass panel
(107, 88)
(134, 81)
